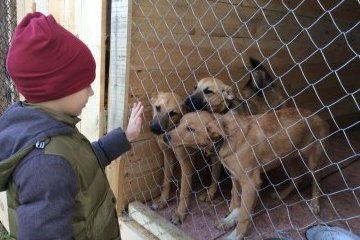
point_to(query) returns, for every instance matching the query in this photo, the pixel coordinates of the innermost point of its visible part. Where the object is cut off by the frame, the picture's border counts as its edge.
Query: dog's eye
(172, 113)
(190, 129)
(195, 87)
(207, 91)
(157, 108)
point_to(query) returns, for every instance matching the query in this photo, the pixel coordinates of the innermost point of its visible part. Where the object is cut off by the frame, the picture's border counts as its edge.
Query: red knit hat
(47, 62)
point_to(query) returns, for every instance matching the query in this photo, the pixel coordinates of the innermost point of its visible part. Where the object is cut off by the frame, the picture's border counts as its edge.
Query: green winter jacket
(94, 214)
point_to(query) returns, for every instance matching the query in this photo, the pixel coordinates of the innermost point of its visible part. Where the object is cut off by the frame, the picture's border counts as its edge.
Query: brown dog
(250, 145)
(258, 95)
(167, 112)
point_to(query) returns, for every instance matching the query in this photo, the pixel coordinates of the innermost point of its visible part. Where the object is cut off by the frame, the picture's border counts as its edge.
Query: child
(55, 179)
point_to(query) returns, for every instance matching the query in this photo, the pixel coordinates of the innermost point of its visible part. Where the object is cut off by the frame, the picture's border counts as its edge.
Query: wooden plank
(70, 18)
(118, 86)
(103, 36)
(192, 52)
(142, 188)
(89, 28)
(42, 6)
(57, 9)
(142, 171)
(144, 156)
(219, 18)
(20, 9)
(131, 230)
(293, 77)
(4, 214)
(304, 8)
(23, 7)
(156, 224)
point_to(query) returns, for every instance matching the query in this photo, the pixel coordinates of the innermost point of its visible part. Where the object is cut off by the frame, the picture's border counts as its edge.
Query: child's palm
(135, 122)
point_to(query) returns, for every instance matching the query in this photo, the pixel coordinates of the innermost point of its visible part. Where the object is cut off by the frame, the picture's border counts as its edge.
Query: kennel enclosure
(311, 49)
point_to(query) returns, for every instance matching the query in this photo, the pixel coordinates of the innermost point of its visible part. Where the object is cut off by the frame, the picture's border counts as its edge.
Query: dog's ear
(214, 130)
(259, 80)
(228, 93)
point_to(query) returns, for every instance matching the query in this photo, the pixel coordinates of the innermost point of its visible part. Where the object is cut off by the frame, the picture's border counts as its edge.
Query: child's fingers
(136, 109)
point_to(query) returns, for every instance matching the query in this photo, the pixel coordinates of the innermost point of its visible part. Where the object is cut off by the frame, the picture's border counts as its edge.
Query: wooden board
(131, 230)
(155, 223)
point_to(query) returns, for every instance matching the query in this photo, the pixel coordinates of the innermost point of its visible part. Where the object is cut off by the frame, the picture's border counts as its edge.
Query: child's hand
(135, 122)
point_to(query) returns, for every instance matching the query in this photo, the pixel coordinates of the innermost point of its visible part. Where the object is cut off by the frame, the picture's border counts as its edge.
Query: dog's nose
(189, 104)
(166, 138)
(188, 101)
(156, 129)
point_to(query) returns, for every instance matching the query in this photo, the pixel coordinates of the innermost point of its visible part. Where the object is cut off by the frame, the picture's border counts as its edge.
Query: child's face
(74, 103)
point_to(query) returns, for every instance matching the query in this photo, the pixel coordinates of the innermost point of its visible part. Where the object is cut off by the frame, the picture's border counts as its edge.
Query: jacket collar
(70, 120)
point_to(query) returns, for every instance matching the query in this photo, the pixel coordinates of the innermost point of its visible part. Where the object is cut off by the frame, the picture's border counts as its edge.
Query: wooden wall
(174, 44)
(87, 21)
(312, 49)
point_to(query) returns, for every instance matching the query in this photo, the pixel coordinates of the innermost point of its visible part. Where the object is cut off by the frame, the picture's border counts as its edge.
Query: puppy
(248, 146)
(167, 112)
(258, 95)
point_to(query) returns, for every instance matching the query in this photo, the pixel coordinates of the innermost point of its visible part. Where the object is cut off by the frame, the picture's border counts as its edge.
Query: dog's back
(275, 134)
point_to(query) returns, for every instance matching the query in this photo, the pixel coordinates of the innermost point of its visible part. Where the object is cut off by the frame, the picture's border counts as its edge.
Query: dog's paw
(207, 196)
(225, 224)
(177, 218)
(233, 236)
(159, 204)
(229, 221)
(315, 207)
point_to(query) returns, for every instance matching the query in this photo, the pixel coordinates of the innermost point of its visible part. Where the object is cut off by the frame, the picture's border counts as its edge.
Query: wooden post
(118, 84)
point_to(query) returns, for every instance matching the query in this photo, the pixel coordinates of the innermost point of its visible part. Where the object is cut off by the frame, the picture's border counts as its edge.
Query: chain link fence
(8, 21)
(311, 50)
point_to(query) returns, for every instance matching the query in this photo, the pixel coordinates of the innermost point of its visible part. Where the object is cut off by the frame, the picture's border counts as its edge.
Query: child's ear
(228, 93)
(213, 129)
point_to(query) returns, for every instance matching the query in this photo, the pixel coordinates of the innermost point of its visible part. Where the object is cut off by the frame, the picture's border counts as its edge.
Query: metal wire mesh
(311, 50)
(8, 20)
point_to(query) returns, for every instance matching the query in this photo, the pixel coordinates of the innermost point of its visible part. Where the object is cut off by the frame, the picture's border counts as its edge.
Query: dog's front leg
(249, 184)
(231, 218)
(185, 188)
(215, 174)
(169, 161)
(235, 195)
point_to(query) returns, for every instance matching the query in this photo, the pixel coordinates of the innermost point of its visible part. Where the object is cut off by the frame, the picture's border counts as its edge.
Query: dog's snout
(156, 129)
(188, 101)
(194, 102)
(167, 138)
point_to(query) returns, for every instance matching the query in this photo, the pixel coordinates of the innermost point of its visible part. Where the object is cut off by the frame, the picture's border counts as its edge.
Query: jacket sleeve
(47, 187)
(111, 146)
